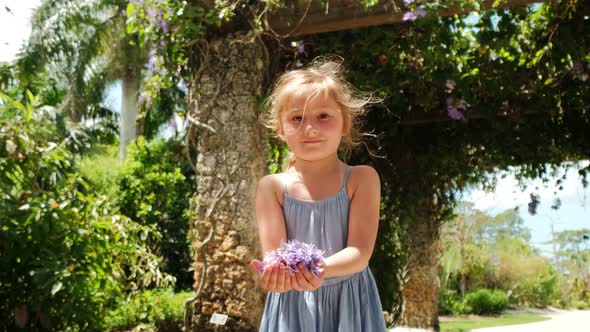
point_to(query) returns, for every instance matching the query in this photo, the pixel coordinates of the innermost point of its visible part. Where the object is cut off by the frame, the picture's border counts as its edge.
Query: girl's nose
(310, 129)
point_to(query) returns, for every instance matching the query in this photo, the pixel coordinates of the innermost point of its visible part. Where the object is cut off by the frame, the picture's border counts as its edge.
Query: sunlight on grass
(461, 325)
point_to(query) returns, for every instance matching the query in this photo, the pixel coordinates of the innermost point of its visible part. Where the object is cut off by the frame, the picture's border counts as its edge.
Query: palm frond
(72, 40)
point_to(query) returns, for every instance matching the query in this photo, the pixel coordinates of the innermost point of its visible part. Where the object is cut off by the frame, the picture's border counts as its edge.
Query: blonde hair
(323, 77)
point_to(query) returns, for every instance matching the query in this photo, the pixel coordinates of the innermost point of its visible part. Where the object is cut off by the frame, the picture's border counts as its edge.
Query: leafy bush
(539, 290)
(154, 191)
(160, 309)
(64, 253)
(453, 304)
(581, 305)
(486, 301)
(574, 292)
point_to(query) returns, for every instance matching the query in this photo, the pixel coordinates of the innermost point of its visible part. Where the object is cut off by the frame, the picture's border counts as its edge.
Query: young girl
(319, 200)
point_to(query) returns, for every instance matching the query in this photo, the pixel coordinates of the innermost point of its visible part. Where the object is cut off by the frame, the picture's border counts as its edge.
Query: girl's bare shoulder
(362, 175)
(272, 184)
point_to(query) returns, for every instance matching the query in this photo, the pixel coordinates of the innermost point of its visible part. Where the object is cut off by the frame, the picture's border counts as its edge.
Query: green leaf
(18, 105)
(56, 288)
(31, 97)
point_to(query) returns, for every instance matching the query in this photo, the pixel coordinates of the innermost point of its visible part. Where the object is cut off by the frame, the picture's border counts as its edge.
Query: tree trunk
(420, 291)
(231, 157)
(127, 121)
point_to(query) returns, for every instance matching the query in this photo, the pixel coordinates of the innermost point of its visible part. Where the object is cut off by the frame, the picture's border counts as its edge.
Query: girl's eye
(297, 118)
(324, 116)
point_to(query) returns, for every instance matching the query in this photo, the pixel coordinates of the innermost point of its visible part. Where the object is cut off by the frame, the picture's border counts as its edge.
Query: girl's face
(312, 131)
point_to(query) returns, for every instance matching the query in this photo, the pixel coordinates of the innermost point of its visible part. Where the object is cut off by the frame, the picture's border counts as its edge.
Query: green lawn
(461, 325)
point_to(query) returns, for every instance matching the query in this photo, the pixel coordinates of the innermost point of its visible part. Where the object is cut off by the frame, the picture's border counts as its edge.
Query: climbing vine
(464, 94)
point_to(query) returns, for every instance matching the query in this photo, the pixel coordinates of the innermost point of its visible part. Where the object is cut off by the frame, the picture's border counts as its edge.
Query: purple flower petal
(408, 2)
(450, 101)
(454, 113)
(152, 14)
(420, 12)
(294, 253)
(300, 47)
(409, 16)
(144, 97)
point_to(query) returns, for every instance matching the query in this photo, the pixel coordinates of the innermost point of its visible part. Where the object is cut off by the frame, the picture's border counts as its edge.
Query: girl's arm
(272, 230)
(269, 214)
(363, 222)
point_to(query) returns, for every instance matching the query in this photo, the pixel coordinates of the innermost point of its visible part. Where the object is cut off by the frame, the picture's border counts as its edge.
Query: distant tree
(84, 46)
(573, 252)
(506, 224)
(459, 238)
(486, 251)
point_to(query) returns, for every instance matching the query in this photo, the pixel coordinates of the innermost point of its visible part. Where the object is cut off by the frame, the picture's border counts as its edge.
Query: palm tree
(84, 45)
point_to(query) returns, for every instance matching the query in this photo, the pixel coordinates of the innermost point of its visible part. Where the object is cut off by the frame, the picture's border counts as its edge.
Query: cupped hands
(277, 277)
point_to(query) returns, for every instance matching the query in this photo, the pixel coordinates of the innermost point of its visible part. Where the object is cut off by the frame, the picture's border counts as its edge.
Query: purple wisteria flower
(409, 16)
(154, 63)
(420, 12)
(152, 14)
(300, 47)
(412, 16)
(453, 109)
(292, 254)
(408, 2)
(144, 97)
(155, 15)
(450, 85)
(151, 64)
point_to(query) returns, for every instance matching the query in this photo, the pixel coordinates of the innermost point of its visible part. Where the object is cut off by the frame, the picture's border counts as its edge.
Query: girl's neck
(315, 168)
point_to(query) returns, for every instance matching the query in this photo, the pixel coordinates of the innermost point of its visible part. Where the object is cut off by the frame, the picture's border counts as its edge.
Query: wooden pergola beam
(307, 17)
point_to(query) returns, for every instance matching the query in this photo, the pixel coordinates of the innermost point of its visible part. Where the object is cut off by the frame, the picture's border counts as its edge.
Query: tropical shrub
(154, 190)
(159, 309)
(486, 301)
(452, 304)
(529, 279)
(539, 290)
(64, 252)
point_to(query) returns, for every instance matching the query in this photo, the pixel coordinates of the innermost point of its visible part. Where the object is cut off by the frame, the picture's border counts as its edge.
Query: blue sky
(573, 214)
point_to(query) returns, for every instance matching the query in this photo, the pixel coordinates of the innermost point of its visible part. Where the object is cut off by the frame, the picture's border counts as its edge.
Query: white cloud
(15, 26)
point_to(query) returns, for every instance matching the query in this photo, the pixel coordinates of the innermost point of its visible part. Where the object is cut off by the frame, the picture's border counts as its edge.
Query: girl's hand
(305, 280)
(274, 278)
